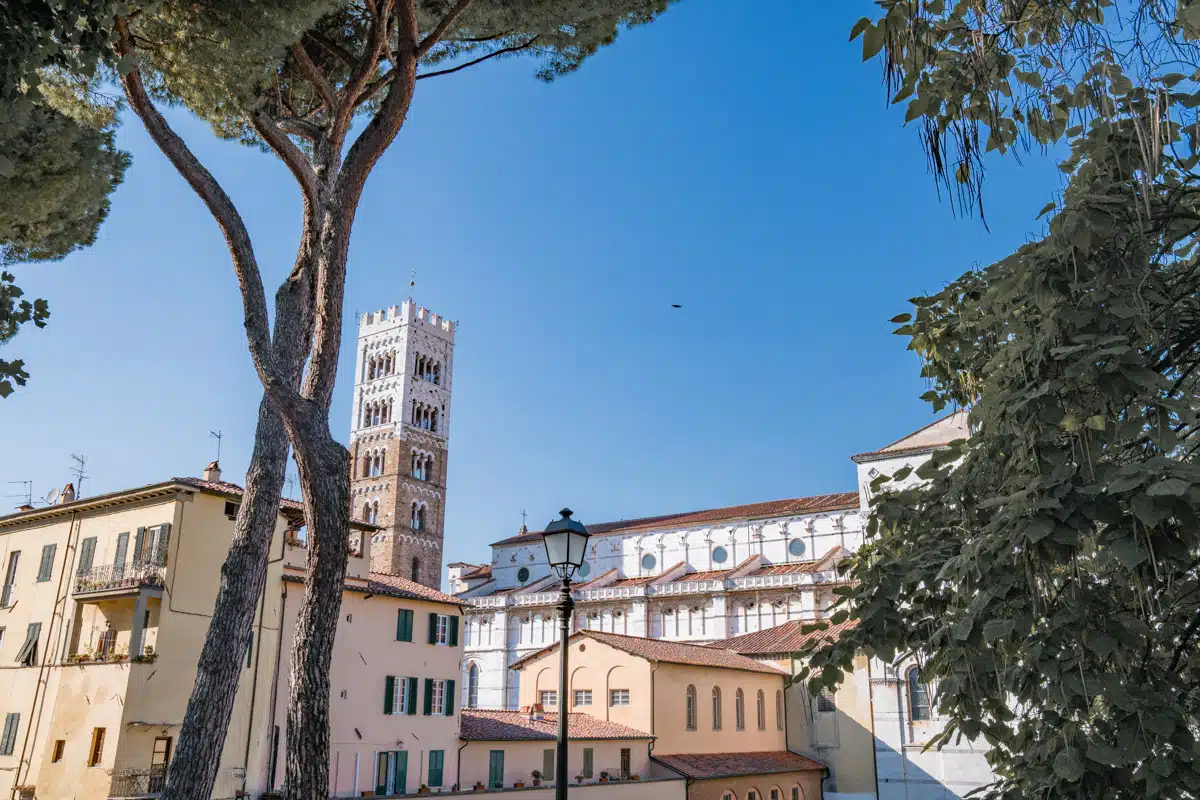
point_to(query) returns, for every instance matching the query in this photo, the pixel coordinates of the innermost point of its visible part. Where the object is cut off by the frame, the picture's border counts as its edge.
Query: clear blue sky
(767, 189)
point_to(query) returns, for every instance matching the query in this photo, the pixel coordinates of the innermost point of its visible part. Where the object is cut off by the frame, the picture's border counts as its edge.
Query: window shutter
(139, 540)
(9, 739)
(450, 698)
(411, 702)
(400, 625)
(87, 553)
(47, 565)
(164, 536)
(454, 631)
(429, 697)
(433, 628)
(389, 691)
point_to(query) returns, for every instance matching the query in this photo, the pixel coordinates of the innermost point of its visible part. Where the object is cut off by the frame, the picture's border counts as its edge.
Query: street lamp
(566, 545)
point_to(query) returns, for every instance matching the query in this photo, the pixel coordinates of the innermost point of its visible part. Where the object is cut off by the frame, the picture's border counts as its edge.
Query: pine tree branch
(237, 238)
(480, 60)
(289, 154)
(313, 75)
(439, 31)
(332, 47)
(369, 64)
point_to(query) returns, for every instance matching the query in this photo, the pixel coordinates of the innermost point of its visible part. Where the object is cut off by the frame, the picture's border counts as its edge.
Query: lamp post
(566, 545)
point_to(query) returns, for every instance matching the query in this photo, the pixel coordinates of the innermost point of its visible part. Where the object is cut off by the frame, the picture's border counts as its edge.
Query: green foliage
(64, 34)
(14, 312)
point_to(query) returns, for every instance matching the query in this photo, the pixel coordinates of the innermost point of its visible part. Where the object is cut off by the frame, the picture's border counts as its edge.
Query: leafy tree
(292, 78)
(56, 171)
(1047, 569)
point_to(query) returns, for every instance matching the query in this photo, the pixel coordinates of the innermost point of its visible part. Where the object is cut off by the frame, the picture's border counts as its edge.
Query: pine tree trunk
(324, 466)
(193, 769)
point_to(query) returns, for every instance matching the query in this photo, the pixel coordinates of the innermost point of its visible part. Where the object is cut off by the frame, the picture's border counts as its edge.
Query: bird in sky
(676, 305)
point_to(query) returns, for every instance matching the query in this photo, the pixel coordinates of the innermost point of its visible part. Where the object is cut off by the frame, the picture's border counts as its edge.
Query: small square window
(618, 697)
(59, 746)
(548, 699)
(583, 697)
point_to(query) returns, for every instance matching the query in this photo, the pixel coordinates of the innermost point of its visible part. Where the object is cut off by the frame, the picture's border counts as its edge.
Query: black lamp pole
(566, 546)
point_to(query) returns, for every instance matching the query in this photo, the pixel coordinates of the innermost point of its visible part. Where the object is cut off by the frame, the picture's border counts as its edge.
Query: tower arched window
(690, 708)
(437, 374)
(418, 517)
(762, 710)
(779, 709)
(739, 710)
(366, 512)
(428, 468)
(918, 696)
(433, 420)
(473, 686)
(716, 708)
(415, 575)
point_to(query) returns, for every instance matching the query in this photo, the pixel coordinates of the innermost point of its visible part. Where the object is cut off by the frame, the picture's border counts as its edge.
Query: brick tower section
(399, 437)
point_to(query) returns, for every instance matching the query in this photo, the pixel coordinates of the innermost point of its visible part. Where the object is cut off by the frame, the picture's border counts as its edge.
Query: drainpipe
(871, 700)
(262, 612)
(458, 766)
(653, 670)
(275, 677)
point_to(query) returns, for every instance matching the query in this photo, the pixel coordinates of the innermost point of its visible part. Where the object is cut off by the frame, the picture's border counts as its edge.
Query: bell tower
(399, 437)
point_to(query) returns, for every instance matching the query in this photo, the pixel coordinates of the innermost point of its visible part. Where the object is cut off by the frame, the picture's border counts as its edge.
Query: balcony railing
(138, 782)
(145, 571)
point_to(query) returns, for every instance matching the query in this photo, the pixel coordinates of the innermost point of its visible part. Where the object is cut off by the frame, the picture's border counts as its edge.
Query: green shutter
(389, 691)
(429, 697)
(433, 628)
(164, 539)
(496, 769)
(437, 762)
(411, 701)
(9, 739)
(401, 624)
(587, 762)
(381, 765)
(454, 631)
(450, 698)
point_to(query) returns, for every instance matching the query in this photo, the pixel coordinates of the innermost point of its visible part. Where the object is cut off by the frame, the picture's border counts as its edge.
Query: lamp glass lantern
(566, 544)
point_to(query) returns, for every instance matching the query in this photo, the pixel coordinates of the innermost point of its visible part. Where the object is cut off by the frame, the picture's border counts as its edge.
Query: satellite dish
(51, 496)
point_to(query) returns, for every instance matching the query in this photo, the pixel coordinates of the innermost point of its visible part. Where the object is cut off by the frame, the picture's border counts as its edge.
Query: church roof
(771, 508)
(665, 651)
(498, 726)
(936, 434)
(786, 638)
(728, 765)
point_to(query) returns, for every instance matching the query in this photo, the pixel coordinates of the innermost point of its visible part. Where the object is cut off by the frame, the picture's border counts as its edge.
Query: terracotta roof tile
(786, 638)
(225, 487)
(728, 765)
(668, 652)
(710, 575)
(587, 584)
(395, 586)
(494, 726)
(772, 508)
(786, 569)
(484, 571)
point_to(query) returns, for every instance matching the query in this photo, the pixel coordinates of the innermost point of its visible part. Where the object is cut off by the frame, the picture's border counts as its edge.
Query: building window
(690, 708)
(584, 570)
(436, 700)
(739, 710)
(437, 767)
(797, 794)
(588, 762)
(716, 708)
(751, 795)
(779, 709)
(443, 629)
(415, 572)
(523, 574)
(96, 751)
(775, 794)
(649, 561)
(160, 757)
(548, 698)
(107, 643)
(473, 686)
(583, 697)
(626, 762)
(618, 697)
(825, 702)
(8, 739)
(28, 654)
(59, 746)
(8, 591)
(719, 555)
(548, 764)
(47, 566)
(417, 522)
(495, 769)
(762, 710)
(399, 695)
(796, 547)
(729, 796)
(918, 696)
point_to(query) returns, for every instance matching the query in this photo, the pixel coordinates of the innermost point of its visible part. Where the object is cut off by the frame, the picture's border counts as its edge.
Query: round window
(523, 574)
(585, 569)
(648, 561)
(719, 555)
(796, 547)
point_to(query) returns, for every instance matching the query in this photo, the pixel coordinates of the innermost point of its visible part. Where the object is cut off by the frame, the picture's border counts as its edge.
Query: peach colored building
(104, 608)
(502, 749)
(696, 701)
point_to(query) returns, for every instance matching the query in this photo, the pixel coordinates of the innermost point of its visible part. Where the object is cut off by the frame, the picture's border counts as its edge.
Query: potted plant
(579, 778)
(635, 777)
(520, 784)
(423, 789)
(478, 786)
(604, 777)
(537, 777)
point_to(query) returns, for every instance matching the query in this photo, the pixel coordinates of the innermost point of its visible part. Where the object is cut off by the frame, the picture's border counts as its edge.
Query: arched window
(415, 575)
(779, 709)
(433, 421)
(366, 512)
(690, 708)
(716, 711)
(762, 710)
(739, 710)
(375, 513)
(918, 696)
(473, 686)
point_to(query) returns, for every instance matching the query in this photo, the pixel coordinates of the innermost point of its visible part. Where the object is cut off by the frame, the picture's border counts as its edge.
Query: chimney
(212, 472)
(25, 507)
(68, 494)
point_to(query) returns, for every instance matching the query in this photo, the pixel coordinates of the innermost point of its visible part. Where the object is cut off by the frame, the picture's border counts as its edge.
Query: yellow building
(717, 717)
(834, 728)
(104, 608)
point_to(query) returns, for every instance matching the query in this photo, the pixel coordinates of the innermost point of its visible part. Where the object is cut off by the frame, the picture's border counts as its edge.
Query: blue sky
(769, 190)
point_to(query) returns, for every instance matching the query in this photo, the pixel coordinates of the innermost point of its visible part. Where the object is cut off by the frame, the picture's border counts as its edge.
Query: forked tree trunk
(324, 466)
(193, 769)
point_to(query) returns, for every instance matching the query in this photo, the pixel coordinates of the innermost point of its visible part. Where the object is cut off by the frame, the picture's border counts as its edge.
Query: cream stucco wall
(599, 668)
(522, 758)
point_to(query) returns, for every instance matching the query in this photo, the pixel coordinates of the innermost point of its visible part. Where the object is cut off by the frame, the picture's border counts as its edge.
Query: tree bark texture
(193, 769)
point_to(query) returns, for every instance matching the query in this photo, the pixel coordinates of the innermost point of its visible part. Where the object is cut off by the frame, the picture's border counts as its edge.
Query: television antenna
(80, 472)
(26, 491)
(217, 435)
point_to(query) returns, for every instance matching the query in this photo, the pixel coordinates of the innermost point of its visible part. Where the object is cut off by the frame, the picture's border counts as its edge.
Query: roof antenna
(412, 282)
(80, 472)
(217, 435)
(26, 492)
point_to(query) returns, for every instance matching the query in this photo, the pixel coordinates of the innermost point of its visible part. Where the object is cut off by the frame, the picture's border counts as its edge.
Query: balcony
(137, 782)
(119, 578)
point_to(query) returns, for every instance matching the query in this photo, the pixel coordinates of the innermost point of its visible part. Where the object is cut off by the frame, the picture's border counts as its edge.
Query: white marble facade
(708, 576)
